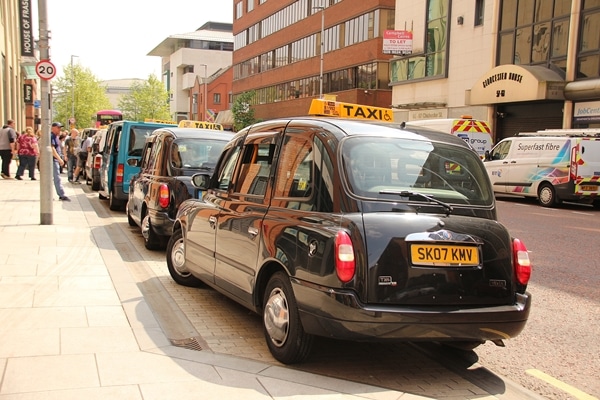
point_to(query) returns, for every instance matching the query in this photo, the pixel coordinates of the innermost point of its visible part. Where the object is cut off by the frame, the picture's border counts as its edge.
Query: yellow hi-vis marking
(349, 110)
(578, 394)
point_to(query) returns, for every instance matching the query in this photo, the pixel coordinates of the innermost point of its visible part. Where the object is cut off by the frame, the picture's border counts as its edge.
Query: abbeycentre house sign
(513, 83)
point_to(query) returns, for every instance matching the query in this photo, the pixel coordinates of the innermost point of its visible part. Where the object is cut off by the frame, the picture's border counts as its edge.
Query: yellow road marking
(578, 394)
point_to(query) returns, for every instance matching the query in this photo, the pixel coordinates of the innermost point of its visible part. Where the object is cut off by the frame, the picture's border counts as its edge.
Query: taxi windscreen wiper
(407, 193)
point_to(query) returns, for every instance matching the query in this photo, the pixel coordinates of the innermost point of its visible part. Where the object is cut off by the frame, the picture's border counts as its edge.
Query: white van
(551, 165)
(475, 132)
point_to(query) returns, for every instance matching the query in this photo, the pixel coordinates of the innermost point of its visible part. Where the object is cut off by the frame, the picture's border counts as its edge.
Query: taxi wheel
(547, 195)
(283, 330)
(152, 241)
(129, 219)
(176, 262)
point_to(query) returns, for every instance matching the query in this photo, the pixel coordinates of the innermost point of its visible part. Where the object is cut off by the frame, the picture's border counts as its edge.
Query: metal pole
(72, 125)
(322, 42)
(46, 162)
(322, 8)
(205, 93)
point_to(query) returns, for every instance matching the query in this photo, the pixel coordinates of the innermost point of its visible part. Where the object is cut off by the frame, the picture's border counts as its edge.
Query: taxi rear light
(163, 196)
(97, 162)
(345, 266)
(120, 172)
(521, 262)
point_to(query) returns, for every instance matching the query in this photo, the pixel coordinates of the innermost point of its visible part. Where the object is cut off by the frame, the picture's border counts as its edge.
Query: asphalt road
(558, 353)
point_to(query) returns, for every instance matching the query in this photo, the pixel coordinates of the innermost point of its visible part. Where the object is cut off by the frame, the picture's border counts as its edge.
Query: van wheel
(176, 262)
(547, 195)
(283, 330)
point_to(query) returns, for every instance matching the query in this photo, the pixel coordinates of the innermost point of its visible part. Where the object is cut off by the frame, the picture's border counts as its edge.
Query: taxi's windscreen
(385, 168)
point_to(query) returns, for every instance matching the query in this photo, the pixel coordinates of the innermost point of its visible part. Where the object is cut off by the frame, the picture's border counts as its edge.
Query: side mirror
(201, 181)
(132, 162)
(487, 156)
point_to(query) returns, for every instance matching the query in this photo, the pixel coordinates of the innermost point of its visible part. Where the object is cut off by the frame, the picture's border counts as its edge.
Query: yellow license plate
(444, 255)
(589, 188)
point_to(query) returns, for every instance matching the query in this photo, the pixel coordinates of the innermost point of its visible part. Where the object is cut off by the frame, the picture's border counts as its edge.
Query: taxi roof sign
(350, 110)
(187, 123)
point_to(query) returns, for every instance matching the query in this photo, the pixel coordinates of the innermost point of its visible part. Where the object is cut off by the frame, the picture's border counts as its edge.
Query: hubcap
(146, 227)
(178, 258)
(277, 317)
(545, 195)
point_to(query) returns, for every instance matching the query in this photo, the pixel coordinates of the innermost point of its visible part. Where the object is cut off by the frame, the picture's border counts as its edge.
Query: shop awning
(511, 83)
(225, 118)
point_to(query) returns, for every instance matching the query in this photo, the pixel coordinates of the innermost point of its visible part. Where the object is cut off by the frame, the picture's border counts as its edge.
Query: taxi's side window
(146, 156)
(154, 157)
(226, 172)
(255, 169)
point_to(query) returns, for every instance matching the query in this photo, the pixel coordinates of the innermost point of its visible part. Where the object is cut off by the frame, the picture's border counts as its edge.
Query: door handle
(252, 231)
(212, 220)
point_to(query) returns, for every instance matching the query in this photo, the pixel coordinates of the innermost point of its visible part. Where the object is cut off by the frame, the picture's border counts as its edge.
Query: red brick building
(277, 53)
(218, 98)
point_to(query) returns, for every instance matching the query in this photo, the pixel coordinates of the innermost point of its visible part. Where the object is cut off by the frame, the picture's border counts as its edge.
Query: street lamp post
(72, 94)
(322, 8)
(205, 100)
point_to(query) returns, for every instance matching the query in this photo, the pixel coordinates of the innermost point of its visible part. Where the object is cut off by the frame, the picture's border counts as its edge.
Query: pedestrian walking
(57, 160)
(28, 152)
(72, 149)
(8, 146)
(86, 146)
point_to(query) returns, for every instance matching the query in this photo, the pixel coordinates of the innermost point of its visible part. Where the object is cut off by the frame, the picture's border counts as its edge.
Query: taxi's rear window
(383, 167)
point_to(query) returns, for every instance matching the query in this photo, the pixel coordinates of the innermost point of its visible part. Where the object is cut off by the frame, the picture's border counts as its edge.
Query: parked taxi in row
(170, 157)
(356, 230)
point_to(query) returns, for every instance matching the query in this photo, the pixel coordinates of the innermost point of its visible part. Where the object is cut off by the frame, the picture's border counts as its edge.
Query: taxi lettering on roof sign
(349, 110)
(186, 123)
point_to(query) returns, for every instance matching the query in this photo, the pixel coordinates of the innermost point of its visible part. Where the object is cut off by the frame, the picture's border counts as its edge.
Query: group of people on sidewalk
(26, 147)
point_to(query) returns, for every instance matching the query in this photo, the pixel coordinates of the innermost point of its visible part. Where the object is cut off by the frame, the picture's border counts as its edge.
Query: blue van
(121, 158)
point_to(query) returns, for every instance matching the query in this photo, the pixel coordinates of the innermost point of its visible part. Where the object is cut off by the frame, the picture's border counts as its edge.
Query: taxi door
(239, 225)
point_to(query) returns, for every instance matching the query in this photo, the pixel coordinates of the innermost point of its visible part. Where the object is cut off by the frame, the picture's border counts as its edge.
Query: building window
(479, 8)
(588, 58)
(431, 63)
(216, 98)
(239, 9)
(188, 69)
(249, 5)
(534, 32)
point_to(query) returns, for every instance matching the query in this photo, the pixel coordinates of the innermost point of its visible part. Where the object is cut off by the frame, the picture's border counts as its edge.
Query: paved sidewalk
(74, 324)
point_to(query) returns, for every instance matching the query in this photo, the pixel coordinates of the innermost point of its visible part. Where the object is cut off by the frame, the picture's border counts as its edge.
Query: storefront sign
(587, 111)
(513, 83)
(28, 93)
(428, 114)
(26, 29)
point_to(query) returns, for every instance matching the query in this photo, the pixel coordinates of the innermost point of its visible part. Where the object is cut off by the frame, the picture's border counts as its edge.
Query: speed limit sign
(45, 70)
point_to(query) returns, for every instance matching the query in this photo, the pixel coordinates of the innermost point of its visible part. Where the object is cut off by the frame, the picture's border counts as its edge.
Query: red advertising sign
(397, 42)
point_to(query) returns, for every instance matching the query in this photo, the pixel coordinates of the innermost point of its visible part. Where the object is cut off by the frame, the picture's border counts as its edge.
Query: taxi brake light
(521, 262)
(120, 172)
(97, 161)
(163, 196)
(345, 266)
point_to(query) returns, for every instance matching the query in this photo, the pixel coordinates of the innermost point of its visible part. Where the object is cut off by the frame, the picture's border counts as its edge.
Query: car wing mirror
(201, 181)
(132, 162)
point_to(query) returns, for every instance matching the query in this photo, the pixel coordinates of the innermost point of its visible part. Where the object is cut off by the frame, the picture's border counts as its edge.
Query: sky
(112, 37)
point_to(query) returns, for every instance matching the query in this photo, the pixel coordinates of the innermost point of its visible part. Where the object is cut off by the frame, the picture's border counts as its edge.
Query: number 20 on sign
(45, 70)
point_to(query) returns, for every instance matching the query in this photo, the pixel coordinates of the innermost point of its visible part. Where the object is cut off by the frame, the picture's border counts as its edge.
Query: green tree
(78, 90)
(147, 99)
(243, 113)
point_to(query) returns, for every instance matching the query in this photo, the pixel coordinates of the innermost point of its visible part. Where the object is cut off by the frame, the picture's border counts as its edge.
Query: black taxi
(354, 230)
(169, 159)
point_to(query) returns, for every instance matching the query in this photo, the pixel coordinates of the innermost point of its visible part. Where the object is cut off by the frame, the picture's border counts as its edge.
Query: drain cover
(188, 343)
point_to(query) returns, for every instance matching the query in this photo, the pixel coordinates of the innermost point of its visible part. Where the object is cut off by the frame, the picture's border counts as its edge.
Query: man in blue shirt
(57, 160)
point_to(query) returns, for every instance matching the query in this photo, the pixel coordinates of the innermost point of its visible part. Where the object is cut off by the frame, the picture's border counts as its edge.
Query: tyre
(547, 195)
(114, 204)
(95, 184)
(283, 330)
(152, 241)
(129, 219)
(176, 262)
